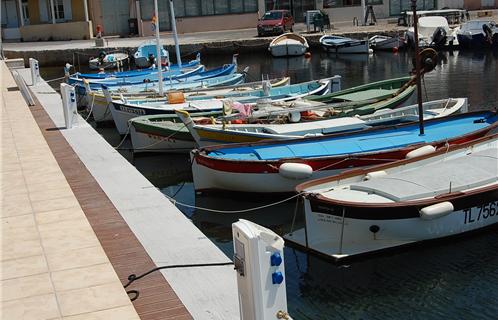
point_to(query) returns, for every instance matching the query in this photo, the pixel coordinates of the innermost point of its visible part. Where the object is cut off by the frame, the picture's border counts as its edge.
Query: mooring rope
(91, 108)
(175, 202)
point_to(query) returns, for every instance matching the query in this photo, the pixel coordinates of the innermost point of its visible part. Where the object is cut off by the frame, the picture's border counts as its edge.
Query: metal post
(85, 8)
(417, 69)
(52, 10)
(342, 229)
(173, 24)
(158, 51)
(21, 15)
(364, 10)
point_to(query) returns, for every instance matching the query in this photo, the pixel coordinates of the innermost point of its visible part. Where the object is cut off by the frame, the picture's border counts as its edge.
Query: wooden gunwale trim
(422, 202)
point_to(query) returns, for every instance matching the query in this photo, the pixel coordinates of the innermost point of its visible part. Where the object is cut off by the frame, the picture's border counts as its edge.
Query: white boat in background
(380, 42)
(433, 31)
(108, 60)
(339, 44)
(146, 52)
(288, 44)
(438, 193)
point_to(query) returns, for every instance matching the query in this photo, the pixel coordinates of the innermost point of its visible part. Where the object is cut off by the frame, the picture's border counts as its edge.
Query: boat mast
(158, 51)
(417, 69)
(173, 25)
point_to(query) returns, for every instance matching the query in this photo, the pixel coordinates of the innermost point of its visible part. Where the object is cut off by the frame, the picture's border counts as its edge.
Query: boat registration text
(483, 212)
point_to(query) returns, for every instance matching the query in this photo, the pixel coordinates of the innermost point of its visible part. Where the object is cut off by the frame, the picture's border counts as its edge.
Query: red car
(275, 22)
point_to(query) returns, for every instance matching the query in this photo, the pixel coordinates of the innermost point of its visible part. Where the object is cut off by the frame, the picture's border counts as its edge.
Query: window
(374, 2)
(58, 10)
(221, 7)
(342, 3)
(195, 8)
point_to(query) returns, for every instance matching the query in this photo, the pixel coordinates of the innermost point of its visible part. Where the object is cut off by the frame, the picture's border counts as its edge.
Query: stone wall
(79, 30)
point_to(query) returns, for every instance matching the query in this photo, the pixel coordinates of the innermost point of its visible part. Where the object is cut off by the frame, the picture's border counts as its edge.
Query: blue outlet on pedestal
(275, 259)
(277, 277)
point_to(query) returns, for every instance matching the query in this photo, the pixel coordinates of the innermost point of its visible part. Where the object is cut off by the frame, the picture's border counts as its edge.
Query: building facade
(33, 20)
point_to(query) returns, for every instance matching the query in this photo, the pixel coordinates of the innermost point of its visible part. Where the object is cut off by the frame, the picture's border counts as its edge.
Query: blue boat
(178, 79)
(147, 50)
(279, 165)
(133, 73)
(337, 44)
(148, 77)
(478, 34)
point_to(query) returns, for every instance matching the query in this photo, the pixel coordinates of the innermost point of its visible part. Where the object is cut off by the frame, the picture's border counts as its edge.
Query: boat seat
(367, 95)
(466, 172)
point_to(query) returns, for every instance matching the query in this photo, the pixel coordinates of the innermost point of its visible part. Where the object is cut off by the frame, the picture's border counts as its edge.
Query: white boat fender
(422, 151)
(374, 174)
(295, 171)
(437, 210)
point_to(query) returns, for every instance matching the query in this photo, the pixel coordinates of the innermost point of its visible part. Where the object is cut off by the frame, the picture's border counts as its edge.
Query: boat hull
(477, 41)
(173, 141)
(283, 50)
(122, 113)
(360, 47)
(328, 233)
(388, 44)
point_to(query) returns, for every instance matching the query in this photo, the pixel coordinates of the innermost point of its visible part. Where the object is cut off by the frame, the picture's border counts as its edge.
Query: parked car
(275, 22)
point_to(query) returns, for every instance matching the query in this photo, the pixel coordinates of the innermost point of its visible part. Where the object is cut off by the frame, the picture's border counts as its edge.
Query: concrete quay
(78, 219)
(57, 53)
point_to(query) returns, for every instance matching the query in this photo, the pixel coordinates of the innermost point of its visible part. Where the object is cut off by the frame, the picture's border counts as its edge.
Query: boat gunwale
(487, 114)
(301, 188)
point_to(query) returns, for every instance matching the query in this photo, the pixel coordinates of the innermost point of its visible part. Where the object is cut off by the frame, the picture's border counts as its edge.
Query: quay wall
(48, 57)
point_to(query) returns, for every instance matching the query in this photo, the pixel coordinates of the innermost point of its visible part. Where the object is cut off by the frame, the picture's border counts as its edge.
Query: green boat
(387, 94)
(166, 133)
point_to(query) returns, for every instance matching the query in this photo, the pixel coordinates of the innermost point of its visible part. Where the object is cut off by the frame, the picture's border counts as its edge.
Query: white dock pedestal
(259, 261)
(69, 105)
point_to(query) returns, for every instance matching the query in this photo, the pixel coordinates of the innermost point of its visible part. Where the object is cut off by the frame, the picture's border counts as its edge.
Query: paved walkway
(52, 264)
(141, 229)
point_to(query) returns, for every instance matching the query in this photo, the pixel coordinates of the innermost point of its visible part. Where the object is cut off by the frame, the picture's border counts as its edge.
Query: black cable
(133, 277)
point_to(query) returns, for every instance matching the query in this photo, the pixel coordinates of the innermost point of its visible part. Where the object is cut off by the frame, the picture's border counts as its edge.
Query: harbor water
(455, 279)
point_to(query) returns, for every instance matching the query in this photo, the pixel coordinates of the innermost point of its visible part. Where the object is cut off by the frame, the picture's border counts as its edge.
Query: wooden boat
(399, 89)
(137, 72)
(380, 42)
(137, 79)
(477, 34)
(339, 44)
(278, 166)
(215, 134)
(187, 77)
(433, 31)
(98, 104)
(122, 111)
(108, 61)
(144, 52)
(164, 133)
(288, 44)
(446, 192)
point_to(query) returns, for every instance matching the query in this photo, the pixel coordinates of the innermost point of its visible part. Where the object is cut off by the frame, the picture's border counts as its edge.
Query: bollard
(69, 105)
(35, 71)
(259, 262)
